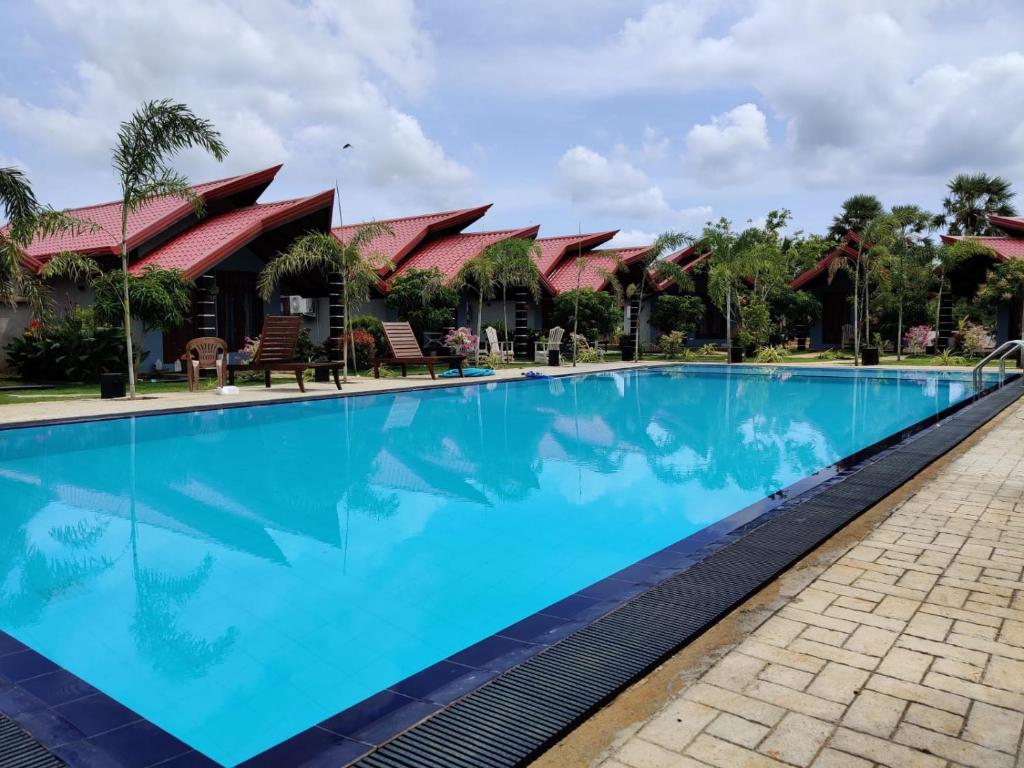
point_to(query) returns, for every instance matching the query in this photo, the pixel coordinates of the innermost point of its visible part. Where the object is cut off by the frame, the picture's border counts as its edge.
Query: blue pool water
(238, 576)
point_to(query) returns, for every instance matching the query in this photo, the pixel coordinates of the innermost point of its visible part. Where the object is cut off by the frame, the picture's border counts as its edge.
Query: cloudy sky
(600, 114)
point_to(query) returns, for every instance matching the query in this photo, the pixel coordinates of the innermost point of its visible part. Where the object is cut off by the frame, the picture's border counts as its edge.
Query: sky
(576, 114)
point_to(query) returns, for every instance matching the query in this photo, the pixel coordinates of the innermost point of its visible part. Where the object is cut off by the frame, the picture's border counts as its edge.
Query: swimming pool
(238, 576)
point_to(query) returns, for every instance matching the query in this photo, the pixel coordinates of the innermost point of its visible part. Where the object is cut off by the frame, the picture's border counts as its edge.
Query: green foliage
(1004, 284)
(599, 314)
(757, 325)
(422, 297)
(856, 212)
(948, 357)
(373, 326)
(677, 313)
(365, 346)
(73, 348)
(673, 345)
(708, 350)
(828, 354)
(769, 354)
(492, 360)
(159, 298)
(972, 199)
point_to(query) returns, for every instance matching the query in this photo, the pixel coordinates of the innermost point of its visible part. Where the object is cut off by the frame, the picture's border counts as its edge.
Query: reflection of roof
(217, 237)
(449, 253)
(145, 223)
(553, 249)
(596, 268)
(1005, 248)
(822, 267)
(410, 231)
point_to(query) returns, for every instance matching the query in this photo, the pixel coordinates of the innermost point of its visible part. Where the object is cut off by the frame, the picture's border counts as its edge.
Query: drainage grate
(19, 749)
(516, 716)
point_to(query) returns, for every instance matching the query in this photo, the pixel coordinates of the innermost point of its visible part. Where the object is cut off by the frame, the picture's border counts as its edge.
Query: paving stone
(929, 627)
(940, 699)
(831, 758)
(737, 730)
(725, 755)
(734, 671)
(838, 682)
(787, 656)
(974, 630)
(638, 753)
(960, 669)
(797, 739)
(897, 607)
(867, 618)
(950, 596)
(951, 748)
(779, 631)
(883, 751)
(977, 691)
(934, 719)
(1013, 633)
(815, 600)
(737, 704)
(874, 713)
(829, 653)
(795, 701)
(826, 636)
(677, 724)
(905, 665)
(871, 641)
(994, 727)
(787, 676)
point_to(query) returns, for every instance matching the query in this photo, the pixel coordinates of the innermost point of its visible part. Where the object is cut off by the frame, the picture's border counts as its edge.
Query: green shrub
(828, 354)
(946, 357)
(769, 354)
(424, 298)
(677, 313)
(74, 348)
(599, 313)
(673, 344)
(708, 350)
(365, 345)
(375, 327)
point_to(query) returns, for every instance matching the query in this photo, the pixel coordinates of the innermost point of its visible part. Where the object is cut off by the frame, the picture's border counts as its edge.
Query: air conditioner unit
(300, 306)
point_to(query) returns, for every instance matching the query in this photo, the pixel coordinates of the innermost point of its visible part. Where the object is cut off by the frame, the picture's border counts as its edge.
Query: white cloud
(282, 82)
(631, 237)
(604, 186)
(731, 147)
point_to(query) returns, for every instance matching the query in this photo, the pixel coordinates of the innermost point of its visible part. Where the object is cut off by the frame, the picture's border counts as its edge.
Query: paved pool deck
(900, 642)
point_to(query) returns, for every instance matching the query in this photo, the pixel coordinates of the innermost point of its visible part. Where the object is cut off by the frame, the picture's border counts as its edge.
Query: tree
(655, 266)
(157, 131)
(323, 253)
(677, 313)
(857, 211)
(729, 251)
(423, 298)
(1004, 284)
(972, 199)
(479, 274)
(26, 221)
(582, 262)
(515, 266)
(912, 225)
(592, 313)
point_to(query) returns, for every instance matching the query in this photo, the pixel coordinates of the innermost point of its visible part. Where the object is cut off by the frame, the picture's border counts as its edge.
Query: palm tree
(480, 275)
(515, 266)
(912, 226)
(323, 253)
(655, 265)
(972, 199)
(582, 261)
(26, 221)
(729, 252)
(157, 131)
(857, 211)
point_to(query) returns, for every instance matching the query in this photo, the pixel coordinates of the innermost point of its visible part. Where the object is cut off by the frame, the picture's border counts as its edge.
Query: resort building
(834, 290)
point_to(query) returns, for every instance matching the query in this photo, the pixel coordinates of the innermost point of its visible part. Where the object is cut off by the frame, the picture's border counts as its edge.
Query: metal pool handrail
(1003, 351)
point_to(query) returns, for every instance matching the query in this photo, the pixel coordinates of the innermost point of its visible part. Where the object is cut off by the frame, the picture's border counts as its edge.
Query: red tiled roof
(554, 248)
(215, 238)
(822, 266)
(449, 253)
(143, 224)
(563, 277)
(412, 230)
(1008, 223)
(687, 259)
(1004, 247)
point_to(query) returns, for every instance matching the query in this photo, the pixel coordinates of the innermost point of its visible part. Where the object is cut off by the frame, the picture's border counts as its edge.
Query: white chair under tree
(554, 342)
(503, 349)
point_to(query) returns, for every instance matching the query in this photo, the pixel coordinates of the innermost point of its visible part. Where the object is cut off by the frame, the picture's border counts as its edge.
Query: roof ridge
(417, 217)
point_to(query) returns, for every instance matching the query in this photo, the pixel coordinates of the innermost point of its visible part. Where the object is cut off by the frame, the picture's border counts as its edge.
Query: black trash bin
(553, 357)
(735, 354)
(111, 385)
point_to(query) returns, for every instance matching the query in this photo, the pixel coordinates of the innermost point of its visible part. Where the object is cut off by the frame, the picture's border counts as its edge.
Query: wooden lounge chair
(405, 351)
(205, 353)
(503, 349)
(276, 352)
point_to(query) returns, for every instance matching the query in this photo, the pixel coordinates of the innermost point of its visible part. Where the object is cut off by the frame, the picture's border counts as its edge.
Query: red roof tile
(412, 230)
(1004, 247)
(449, 253)
(823, 265)
(145, 223)
(554, 248)
(597, 264)
(1008, 223)
(215, 238)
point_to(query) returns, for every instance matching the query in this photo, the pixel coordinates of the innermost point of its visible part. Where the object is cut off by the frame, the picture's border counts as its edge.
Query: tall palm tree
(323, 253)
(729, 254)
(479, 274)
(146, 142)
(856, 212)
(27, 220)
(655, 265)
(515, 266)
(972, 199)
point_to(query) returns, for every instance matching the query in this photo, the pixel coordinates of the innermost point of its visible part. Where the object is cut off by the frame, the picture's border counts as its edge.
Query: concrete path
(907, 652)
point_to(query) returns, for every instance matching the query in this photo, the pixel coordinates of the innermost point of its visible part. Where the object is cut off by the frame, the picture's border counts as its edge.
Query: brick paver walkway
(908, 651)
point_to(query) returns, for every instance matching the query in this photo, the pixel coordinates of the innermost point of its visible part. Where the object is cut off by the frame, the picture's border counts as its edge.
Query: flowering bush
(248, 352)
(366, 346)
(462, 341)
(975, 339)
(916, 339)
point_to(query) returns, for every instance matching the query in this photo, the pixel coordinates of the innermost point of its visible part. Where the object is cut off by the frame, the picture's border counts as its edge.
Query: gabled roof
(595, 268)
(1012, 224)
(553, 249)
(145, 223)
(217, 237)
(450, 252)
(687, 259)
(1005, 248)
(413, 230)
(822, 267)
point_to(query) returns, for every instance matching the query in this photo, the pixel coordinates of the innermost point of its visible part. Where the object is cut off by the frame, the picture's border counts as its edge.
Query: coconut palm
(515, 266)
(26, 221)
(973, 198)
(323, 253)
(729, 254)
(655, 265)
(146, 142)
(857, 211)
(479, 274)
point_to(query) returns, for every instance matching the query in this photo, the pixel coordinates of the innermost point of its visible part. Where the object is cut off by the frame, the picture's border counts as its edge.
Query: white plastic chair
(503, 349)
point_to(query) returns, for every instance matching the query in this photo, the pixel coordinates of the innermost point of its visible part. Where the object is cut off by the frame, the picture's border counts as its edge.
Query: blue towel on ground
(453, 373)
(535, 375)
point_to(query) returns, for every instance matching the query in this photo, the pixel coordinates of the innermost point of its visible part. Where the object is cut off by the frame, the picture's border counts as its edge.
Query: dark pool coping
(85, 727)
